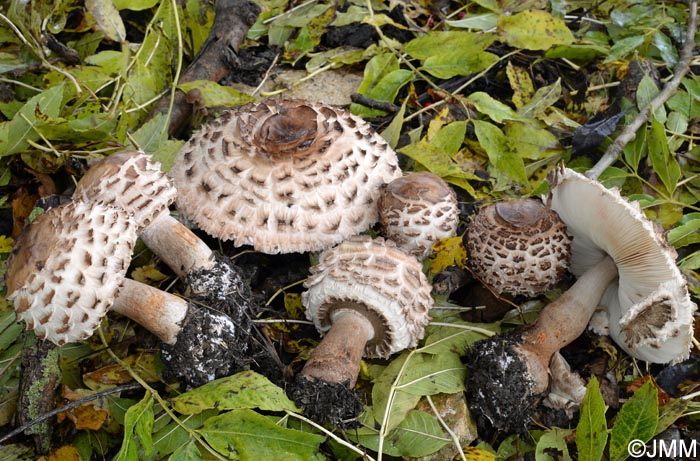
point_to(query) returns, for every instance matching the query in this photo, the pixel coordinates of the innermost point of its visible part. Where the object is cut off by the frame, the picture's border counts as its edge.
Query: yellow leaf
(148, 272)
(65, 453)
(6, 244)
(477, 454)
(521, 84)
(448, 252)
(292, 304)
(143, 364)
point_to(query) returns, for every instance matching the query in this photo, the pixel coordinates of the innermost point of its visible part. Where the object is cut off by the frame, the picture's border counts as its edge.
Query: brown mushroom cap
(284, 176)
(67, 267)
(518, 247)
(417, 210)
(388, 282)
(129, 180)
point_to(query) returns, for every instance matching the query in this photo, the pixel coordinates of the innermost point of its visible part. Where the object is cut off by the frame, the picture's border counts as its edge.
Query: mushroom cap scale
(386, 281)
(649, 310)
(284, 176)
(129, 180)
(67, 267)
(417, 210)
(518, 246)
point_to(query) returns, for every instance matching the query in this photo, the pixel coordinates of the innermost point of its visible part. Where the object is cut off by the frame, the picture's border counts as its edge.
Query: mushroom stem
(564, 320)
(177, 246)
(509, 373)
(337, 358)
(159, 312)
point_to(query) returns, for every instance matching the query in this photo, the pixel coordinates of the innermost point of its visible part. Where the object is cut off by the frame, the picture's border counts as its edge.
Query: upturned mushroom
(616, 252)
(519, 247)
(283, 176)
(417, 210)
(367, 298)
(68, 269)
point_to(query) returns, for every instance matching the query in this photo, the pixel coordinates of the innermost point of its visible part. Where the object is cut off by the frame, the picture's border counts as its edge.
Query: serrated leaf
(494, 109)
(246, 389)
(665, 165)
(553, 442)
(248, 436)
(591, 431)
(534, 30)
(504, 160)
(107, 19)
(637, 419)
(172, 436)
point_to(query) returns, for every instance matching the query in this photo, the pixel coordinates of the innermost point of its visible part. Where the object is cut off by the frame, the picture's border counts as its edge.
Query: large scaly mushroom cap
(376, 274)
(128, 180)
(66, 269)
(649, 311)
(284, 176)
(518, 247)
(417, 210)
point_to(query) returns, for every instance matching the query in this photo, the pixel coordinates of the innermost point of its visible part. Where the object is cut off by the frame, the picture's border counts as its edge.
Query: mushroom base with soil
(327, 401)
(509, 373)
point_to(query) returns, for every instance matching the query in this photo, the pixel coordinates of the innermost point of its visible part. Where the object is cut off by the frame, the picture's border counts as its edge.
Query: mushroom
(417, 210)
(366, 297)
(284, 176)
(649, 310)
(135, 183)
(509, 372)
(519, 247)
(66, 268)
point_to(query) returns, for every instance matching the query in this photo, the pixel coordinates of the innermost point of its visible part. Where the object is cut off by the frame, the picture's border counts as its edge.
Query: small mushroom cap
(649, 309)
(284, 176)
(417, 210)
(388, 282)
(518, 247)
(129, 180)
(66, 269)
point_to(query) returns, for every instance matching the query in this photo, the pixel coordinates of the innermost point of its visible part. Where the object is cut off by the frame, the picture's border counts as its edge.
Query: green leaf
(690, 262)
(534, 30)
(15, 134)
(449, 138)
(577, 52)
(543, 99)
(382, 81)
(172, 436)
(139, 420)
(685, 234)
(460, 62)
(591, 431)
(187, 452)
(482, 21)
(215, 95)
(152, 138)
(456, 337)
(392, 132)
(553, 440)
(646, 91)
(107, 18)
(419, 434)
(669, 413)
(494, 109)
(530, 141)
(398, 389)
(664, 164)
(624, 47)
(246, 389)
(245, 435)
(438, 43)
(637, 419)
(635, 150)
(503, 159)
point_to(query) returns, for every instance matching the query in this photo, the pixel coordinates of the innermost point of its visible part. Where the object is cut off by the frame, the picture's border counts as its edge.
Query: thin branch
(70, 406)
(630, 131)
